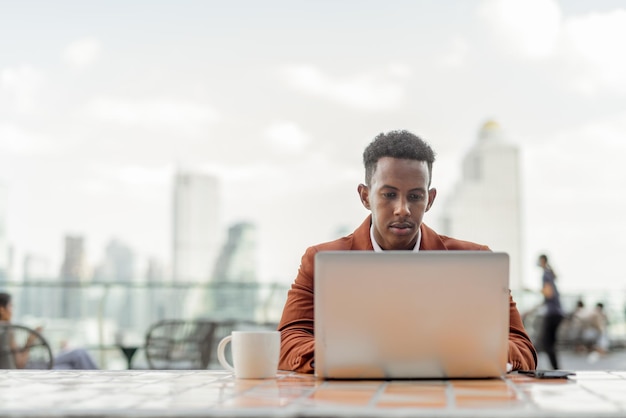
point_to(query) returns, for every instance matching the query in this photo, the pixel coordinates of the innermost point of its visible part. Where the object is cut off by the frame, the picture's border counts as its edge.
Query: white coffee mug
(255, 354)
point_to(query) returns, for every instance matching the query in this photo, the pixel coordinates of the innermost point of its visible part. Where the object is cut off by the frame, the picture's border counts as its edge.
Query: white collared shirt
(378, 249)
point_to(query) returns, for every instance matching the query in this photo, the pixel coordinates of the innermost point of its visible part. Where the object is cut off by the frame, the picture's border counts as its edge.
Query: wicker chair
(189, 344)
(178, 344)
(18, 338)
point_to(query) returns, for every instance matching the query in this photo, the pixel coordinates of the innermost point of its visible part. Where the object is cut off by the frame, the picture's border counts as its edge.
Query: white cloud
(580, 160)
(530, 27)
(257, 171)
(609, 132)
(182, 117)
(369, 91)
(287, 137)
(399, 70)
(110, 179)
(595, 43)
(16, 141)
(135, 175)
(456, 54)
(22, 85)
(587, 49)
(82, 54)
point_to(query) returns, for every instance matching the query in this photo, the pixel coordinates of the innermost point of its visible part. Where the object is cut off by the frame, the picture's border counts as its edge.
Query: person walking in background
(553, 311)
(76, 358)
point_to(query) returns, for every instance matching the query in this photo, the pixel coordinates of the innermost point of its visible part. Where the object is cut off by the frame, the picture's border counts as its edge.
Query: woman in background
(77, 358)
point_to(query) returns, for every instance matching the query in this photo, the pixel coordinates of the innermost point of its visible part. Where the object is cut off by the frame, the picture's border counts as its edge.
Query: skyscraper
(159, 302)
(237, 262)
(118, 266)
(236, 290)
(485, 204)
(73, 274)
(196, 232)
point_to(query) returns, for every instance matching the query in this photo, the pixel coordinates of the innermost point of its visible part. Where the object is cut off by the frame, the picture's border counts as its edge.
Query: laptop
(407, 315)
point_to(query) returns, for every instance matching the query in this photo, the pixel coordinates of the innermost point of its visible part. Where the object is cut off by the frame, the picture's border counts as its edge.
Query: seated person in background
(595, 334)
(398, 172)
(576, 321)
(68, 359)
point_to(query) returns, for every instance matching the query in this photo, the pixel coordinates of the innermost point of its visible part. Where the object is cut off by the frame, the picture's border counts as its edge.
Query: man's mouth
(402, 227)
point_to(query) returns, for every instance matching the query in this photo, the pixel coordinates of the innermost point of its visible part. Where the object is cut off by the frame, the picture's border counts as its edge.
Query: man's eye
(389, 195)
(416, 197)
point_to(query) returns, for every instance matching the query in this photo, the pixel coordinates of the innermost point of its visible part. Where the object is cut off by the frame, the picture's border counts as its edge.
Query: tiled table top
(217, 394)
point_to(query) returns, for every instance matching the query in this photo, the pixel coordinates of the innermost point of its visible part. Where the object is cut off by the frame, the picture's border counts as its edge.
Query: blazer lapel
(361, 236)
(431, 241)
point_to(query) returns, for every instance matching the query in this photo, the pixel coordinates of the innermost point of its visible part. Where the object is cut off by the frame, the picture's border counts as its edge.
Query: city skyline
(101, 103)
(117, 264)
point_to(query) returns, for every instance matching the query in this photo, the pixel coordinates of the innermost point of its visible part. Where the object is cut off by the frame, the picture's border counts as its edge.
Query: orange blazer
(296, 326)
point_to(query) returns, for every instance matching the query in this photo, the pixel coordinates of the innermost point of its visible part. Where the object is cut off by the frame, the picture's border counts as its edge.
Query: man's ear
(432, 194)
(364, 194)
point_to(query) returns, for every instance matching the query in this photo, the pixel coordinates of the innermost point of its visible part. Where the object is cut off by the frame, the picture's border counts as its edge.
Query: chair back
(189, 344)
(178, 344)
(17, 340)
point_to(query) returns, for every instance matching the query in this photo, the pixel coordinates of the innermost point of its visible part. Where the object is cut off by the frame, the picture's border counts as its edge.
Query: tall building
(236, 289)
(159, 301)
(195, 232)
(485, 204)
(237, 262)
(118, 267)
(73, 274)
(155, 271)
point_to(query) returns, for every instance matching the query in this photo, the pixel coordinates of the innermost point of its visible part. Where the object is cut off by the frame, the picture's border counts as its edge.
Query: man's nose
(402, 208)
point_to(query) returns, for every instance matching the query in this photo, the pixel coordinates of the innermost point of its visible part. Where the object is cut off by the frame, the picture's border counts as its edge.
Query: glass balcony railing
(101, 316)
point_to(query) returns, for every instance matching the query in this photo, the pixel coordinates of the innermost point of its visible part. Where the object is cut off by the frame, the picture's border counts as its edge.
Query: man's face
(398, 197)
(6, 312)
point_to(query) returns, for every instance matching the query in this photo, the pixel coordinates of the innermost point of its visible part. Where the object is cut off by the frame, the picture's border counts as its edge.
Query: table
(211, 393)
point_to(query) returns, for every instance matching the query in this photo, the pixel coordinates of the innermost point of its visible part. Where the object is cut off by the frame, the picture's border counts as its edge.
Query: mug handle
(221, 347)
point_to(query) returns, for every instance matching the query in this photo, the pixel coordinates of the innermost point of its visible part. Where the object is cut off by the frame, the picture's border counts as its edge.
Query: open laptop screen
(400, 314)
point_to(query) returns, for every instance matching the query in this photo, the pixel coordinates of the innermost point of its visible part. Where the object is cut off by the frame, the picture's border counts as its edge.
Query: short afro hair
(5, 299)
(397, 144)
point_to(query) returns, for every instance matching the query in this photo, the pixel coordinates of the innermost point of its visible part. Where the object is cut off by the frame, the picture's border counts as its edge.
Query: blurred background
(174, 159)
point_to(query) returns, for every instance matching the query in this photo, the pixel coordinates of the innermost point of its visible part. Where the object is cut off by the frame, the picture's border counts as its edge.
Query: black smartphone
(548, 374)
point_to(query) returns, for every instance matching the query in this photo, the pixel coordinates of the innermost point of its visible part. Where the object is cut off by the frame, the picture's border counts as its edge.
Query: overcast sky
(100, 101)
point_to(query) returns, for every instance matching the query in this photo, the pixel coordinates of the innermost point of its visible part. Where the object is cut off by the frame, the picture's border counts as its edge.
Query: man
(398, 172)
(554, 313)
(77, 358)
